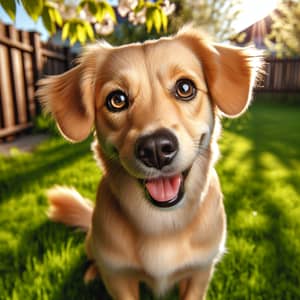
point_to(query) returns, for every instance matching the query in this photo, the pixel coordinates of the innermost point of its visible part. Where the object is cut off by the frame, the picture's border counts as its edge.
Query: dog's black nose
(157, 149)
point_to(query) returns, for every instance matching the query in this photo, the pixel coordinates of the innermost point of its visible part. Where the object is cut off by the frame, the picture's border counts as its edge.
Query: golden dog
(159, 216)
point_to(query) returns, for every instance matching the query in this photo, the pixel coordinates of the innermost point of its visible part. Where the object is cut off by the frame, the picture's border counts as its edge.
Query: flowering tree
(284, 38)
(215, 17)
(83, 20)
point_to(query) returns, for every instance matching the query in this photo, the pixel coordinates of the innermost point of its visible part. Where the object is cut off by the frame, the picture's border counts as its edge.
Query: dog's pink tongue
(164, 189)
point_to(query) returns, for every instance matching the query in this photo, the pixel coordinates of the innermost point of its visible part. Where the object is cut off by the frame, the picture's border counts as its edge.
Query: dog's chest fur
(162, 260)
(167, 261)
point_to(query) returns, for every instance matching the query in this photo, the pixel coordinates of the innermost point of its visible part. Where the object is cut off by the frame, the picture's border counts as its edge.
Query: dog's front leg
(121, 287)
(194, 288)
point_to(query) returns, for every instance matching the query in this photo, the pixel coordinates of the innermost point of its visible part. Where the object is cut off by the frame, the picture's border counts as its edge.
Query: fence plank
(29, 80)
(36, 55)
(5, 82)
(18, 78)
(282, 75)
(53, 54)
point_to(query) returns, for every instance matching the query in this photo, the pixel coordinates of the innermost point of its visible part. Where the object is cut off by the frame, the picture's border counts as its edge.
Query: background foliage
(215, 17)
(83, 20)
(284, 38)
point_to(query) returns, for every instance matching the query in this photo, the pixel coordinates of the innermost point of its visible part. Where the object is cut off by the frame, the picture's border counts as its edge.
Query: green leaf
(58, 17)
(164, 21)
(47, 21)
(54, 13)
(65, 31)
(81, 33)
(80, 6)
(140, 6)
(10, 8)
(103, 9)
(92, 7)
(34, 8)
(89, 30)
(111, 12)
(78, 30)
(157, 19)
(72, 32)
(100, 12)
(149, 25)
(150, 18)
(73, 39)
(51, 14)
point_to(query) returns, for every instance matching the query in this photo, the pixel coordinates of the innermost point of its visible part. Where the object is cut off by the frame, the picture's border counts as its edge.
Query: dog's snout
(157, 149)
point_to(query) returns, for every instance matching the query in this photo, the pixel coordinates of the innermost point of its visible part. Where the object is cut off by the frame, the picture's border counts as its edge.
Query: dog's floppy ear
(231, 77)
(230, 72)
(70, 98)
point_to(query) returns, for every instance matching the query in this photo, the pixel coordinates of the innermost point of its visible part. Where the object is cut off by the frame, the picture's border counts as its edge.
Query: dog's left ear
(230, 72)
(69, 97)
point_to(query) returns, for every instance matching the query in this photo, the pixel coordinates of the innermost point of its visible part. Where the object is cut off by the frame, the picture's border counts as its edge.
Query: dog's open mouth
(165, 191)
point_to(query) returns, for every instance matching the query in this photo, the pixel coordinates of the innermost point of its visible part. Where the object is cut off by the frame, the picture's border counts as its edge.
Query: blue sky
(252, 11)
(23, 21)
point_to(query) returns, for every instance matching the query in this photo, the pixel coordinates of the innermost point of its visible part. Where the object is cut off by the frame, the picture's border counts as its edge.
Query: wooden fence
(282, 76)
(23, 60)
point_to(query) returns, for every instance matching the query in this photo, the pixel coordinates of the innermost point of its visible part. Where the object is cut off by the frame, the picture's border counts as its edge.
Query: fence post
(37, 59)
(29, 79)
(18, 78)
(7, 101)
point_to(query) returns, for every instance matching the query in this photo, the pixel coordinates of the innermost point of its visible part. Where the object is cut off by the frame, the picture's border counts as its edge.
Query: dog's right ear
(70, 97)
(230, 72)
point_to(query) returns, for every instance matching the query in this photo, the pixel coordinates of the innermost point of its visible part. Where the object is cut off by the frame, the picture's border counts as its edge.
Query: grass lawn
(260, 176)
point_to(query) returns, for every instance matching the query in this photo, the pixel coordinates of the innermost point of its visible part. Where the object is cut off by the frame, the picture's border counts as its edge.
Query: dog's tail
(67, 206)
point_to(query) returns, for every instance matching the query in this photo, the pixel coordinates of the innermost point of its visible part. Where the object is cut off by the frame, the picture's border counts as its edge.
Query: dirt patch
(26, 143)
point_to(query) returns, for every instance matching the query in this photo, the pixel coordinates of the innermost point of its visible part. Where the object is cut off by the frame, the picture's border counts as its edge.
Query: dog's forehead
(153, 56)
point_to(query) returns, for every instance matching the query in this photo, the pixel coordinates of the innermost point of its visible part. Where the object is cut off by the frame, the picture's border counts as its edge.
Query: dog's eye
(117, 101)
(185, 89)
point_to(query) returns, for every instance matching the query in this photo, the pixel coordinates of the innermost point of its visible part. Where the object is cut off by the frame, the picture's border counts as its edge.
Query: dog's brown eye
(185, 89)
(117, 101)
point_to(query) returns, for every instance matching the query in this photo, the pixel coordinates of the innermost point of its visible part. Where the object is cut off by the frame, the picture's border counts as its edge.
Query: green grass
(260, 176)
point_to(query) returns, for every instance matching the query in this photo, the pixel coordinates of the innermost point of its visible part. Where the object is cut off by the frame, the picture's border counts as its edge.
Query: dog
(155, 107)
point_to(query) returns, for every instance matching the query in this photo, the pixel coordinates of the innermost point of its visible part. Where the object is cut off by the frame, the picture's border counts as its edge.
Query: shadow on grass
(54, 254)
(19, 174)
(73, 286)
(274, 130)
(268, 135)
